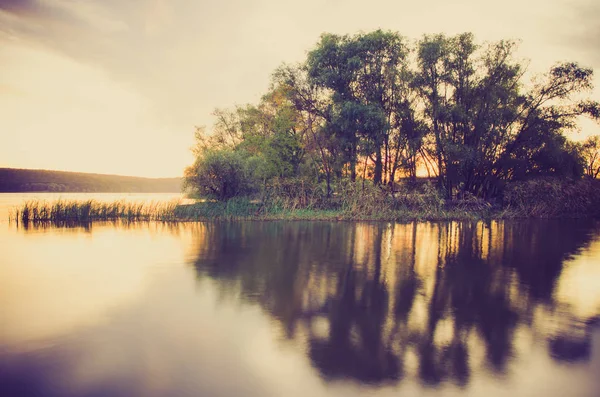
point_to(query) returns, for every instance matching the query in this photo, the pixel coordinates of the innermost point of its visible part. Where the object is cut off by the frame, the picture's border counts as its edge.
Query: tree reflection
(358, 306)
(437, 292)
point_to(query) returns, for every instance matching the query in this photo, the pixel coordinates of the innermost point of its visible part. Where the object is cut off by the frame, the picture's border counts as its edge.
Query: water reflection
(74, 227)
(56, 279)
(300, 309)
(379, 302)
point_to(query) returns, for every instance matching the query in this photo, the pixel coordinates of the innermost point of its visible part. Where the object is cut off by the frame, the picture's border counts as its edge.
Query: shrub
(221, 175)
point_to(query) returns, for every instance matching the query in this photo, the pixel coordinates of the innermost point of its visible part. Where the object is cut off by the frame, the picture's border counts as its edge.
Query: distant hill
(24, 180)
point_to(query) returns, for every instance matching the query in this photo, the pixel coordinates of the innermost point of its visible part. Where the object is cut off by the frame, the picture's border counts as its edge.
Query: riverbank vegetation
(540, 198)
(375, 125)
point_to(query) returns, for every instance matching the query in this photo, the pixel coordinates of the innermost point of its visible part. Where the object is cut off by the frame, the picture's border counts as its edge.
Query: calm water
(301, 309)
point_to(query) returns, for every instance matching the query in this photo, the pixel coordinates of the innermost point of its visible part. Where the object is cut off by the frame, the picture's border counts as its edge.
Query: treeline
(24, 180)
(377, 107)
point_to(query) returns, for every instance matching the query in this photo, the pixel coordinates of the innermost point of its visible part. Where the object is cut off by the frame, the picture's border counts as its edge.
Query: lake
(299, 308)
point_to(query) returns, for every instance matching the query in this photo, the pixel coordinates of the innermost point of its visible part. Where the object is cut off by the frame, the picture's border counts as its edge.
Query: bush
(221, 175)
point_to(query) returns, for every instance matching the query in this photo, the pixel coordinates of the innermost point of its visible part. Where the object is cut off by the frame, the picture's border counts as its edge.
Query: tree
(544, 114)
(363, 74)
(314, 118)
(590, 151)
(373, 103)
(486, 127)
(469, 96)
(249, 145)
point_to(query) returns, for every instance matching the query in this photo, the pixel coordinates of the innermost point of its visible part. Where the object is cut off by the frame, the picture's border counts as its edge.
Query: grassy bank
(541, 198)
(282, 210)
(236, 209)
(216, 211)
(533, 199)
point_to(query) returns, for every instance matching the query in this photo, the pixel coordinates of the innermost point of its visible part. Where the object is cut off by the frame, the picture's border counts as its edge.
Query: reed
(552, 198)
(92, 210)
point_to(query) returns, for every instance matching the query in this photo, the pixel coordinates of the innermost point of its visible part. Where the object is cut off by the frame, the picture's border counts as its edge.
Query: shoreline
(307, 215)
(409, 208)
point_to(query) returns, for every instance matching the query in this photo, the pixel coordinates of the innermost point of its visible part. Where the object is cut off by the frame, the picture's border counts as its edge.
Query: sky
(118, 86)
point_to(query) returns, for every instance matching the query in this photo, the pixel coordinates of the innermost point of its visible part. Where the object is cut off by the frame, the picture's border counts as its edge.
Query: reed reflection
(380, 302)
(174, 228)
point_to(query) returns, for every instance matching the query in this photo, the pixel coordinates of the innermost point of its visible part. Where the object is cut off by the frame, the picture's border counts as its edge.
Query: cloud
(202, 54)
(585, 24)
(18, 6)
(186, 57)
(171, 52)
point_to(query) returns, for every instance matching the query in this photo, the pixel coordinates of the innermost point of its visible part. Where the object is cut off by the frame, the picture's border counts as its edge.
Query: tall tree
(485, 126)
(535, 143)
(363, 73)
(314, 118)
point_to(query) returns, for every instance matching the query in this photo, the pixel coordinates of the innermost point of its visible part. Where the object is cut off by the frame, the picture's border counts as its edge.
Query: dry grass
(552, 198)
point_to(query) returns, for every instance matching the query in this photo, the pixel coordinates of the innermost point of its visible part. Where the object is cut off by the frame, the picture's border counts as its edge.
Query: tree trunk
(353, 164)
(378, 167)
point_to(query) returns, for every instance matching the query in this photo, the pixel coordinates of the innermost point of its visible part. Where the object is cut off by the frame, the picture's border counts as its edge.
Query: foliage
(368, 77)
(365, 110)
(426, 198)
(221, 174)
(487, 127)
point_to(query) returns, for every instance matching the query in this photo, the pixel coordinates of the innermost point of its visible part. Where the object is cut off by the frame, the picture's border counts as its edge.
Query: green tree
(249, 145)
(363, 73)
(486, 127)
(314, 110)
(469, 98)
